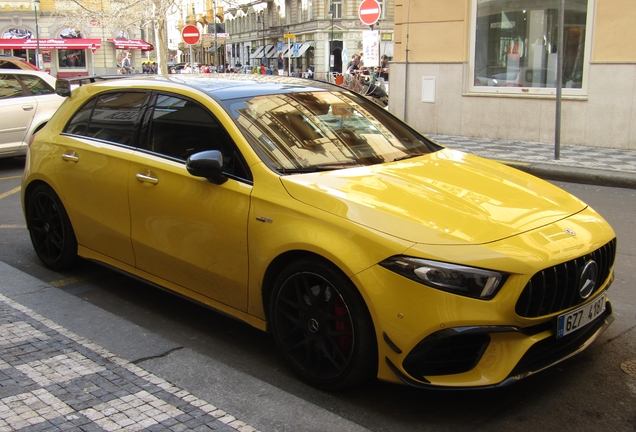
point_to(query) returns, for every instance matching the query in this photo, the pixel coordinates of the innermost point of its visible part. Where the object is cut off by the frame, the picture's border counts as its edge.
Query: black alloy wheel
(322, 325)
(51, 232)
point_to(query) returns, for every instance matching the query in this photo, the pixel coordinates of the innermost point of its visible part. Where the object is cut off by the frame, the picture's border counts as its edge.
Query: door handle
(70, 157)
(147, 178)
(27, 107)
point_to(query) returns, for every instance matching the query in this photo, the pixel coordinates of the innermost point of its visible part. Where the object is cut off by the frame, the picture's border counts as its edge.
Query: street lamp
(37, 34)
(262, 21)
(331, 14)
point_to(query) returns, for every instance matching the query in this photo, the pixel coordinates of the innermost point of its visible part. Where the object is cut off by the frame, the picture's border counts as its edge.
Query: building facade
(33, 31)
(257, 32)
(488, 68)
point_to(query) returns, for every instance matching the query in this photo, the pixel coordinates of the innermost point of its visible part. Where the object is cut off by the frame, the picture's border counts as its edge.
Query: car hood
(447, 197)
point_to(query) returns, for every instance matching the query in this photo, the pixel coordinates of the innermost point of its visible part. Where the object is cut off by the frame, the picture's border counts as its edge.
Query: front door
(185, 229)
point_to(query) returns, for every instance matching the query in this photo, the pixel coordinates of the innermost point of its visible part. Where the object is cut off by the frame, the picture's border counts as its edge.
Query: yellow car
(308, 211)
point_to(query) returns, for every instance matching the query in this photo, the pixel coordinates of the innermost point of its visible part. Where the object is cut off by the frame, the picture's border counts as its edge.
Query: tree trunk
(162, 50)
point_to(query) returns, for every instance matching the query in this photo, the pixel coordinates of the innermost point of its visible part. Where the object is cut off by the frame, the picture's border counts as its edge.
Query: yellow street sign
(289, 35)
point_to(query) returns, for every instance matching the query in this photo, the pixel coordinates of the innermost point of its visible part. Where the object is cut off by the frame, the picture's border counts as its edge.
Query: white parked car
(27, 102)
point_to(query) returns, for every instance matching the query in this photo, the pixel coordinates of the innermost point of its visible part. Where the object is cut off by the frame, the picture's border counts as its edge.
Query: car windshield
(315, 131)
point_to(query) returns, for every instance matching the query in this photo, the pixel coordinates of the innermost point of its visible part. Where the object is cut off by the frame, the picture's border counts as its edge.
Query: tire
(322, 326)
(50, 229)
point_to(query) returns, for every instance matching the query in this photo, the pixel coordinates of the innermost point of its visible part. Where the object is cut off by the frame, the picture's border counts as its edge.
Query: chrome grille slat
(556, 288)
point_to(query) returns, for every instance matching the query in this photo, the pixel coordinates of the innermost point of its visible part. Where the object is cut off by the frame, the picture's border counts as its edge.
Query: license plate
(579, 318)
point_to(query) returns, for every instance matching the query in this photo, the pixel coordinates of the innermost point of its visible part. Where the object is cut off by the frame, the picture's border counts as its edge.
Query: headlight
(453, 278)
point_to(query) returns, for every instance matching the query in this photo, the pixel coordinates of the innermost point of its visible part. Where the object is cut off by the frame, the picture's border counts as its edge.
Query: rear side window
(36, 85)
(112, 117)
(10, 87)
(5, 64)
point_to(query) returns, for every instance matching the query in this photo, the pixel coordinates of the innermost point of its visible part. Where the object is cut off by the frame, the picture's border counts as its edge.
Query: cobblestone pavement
(576, 156)
(53, 380)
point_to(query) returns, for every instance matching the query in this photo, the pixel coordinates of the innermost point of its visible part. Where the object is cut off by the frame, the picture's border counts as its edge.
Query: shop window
(69, 59)
(515, 45)
(73, 58)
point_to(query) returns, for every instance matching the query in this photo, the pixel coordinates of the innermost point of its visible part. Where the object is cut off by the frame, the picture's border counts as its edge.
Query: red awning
(132, 44)
(72, 43)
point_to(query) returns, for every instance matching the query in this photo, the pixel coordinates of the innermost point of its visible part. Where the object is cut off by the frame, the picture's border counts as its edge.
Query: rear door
(17, 108)
(93, 168)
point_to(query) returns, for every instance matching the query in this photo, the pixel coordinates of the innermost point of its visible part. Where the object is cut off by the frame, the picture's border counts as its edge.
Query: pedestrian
(154, 68)
(384, 67)
(125, 63)
(354, 65)
(263, 70)
(281, 63)
(186, 69)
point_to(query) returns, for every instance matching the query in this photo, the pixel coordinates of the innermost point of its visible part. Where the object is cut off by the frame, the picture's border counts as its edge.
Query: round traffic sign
(190, 34)
(369, 12)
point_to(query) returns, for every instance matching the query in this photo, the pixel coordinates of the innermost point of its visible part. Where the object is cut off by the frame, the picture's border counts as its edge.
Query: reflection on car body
(308, 211)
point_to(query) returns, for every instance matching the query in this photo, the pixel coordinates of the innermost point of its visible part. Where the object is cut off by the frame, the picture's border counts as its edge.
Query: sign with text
(371, 48)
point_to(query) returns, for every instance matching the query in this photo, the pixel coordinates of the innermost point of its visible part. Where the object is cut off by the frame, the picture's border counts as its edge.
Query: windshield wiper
(318, 168)
(408, 156)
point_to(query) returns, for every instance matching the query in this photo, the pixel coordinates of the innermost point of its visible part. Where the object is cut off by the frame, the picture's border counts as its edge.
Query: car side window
(180, 128)
(4, 64)
(10, 87)
(36, 85)
(112, 117)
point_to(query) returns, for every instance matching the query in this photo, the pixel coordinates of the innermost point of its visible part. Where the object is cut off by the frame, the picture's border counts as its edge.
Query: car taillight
(31, 140)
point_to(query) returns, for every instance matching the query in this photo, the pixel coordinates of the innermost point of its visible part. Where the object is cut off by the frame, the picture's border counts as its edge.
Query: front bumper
(439, 352)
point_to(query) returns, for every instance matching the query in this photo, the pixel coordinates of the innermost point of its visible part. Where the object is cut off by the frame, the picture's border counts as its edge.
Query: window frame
(91, 104)
(528, 91)
(146, 131)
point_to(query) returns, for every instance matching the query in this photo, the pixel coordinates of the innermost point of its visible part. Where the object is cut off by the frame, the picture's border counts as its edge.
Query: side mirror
(63, 87)
(208, 164)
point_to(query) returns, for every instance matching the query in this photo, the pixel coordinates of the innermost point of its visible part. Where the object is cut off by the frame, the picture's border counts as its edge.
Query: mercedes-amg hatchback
(308, 211)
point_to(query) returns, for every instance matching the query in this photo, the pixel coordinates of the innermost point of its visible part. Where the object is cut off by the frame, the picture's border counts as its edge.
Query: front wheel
(322, 325)
(51, 232)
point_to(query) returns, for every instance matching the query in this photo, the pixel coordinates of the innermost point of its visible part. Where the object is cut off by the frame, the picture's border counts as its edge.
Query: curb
(577, 175)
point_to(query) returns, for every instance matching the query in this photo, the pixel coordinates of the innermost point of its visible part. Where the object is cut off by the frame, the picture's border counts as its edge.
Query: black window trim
(145, 128)
(136, 136)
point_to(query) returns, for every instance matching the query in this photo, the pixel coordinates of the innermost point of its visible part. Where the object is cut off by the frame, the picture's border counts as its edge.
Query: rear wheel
(51, 232)
(322, 325)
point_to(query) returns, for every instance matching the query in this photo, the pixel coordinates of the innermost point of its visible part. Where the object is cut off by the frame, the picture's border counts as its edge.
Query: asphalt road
(239, 369)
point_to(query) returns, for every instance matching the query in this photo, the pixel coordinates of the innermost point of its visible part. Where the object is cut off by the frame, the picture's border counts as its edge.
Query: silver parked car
(27, 102)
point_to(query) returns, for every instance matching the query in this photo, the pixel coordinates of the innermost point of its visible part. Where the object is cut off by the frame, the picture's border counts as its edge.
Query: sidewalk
(52, 379)
(577, 164)
(67, 365)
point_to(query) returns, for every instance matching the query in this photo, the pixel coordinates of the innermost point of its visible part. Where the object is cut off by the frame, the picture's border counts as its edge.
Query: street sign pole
(288, 36)
(191, 35)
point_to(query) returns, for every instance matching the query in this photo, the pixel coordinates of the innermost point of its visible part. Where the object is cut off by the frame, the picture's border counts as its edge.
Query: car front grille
(557, 288)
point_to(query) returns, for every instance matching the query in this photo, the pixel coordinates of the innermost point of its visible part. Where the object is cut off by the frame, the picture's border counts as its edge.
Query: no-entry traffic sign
(190, 34)
(369, 12)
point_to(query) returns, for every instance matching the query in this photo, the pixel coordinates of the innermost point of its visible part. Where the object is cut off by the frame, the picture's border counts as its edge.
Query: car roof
(45, 76)
(19, 61)
(230, 86)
